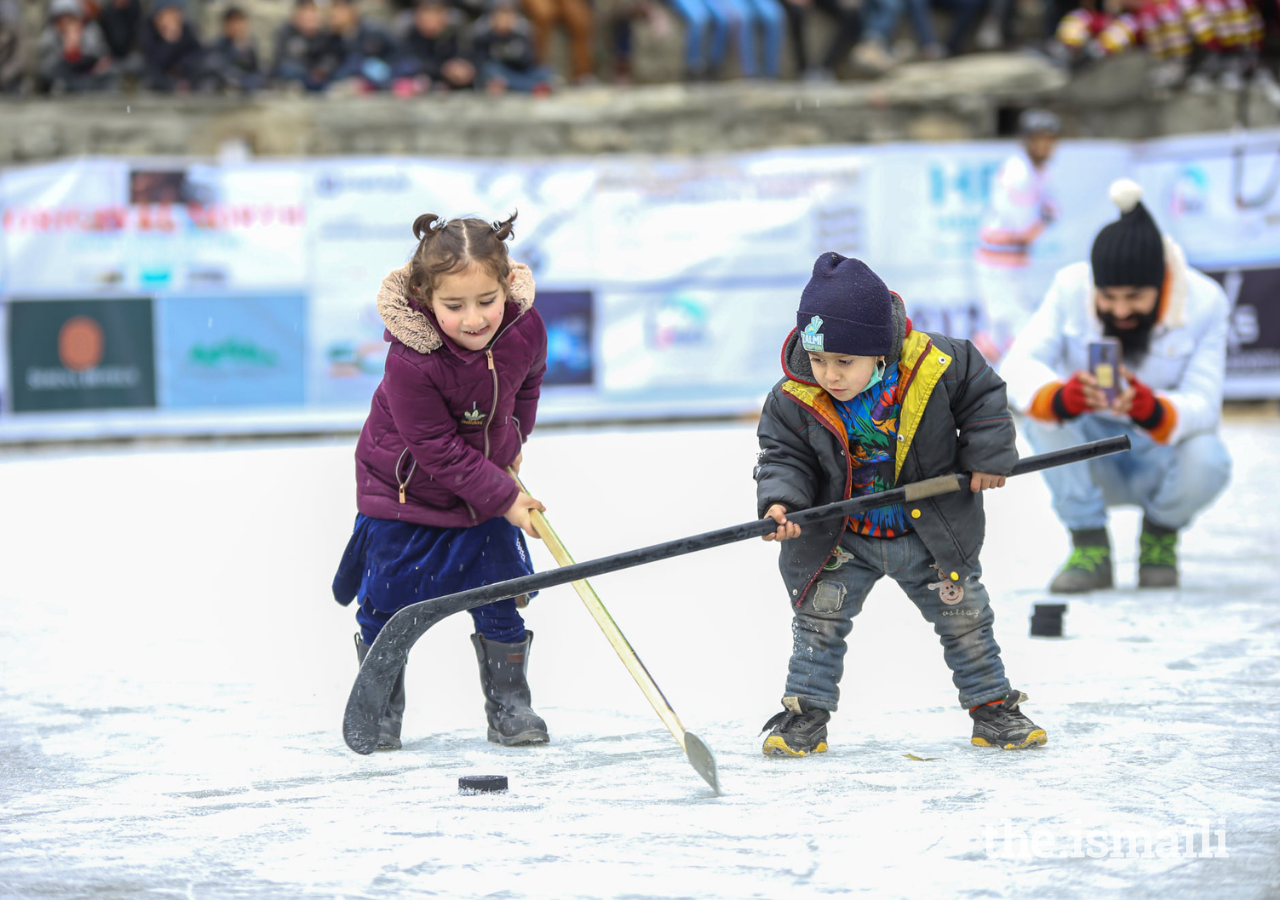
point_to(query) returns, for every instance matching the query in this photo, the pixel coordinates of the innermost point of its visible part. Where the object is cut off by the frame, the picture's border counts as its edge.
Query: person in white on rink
(1021, 208)
(1171, 324)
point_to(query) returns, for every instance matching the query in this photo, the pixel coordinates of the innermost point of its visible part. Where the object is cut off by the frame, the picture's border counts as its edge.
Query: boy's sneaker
(1157, 556)
(796, 731)
(1004, 726)
(1089, 566)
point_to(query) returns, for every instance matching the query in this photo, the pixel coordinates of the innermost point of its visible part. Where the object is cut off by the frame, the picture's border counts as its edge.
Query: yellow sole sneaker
(1037, 738)
(774, 745)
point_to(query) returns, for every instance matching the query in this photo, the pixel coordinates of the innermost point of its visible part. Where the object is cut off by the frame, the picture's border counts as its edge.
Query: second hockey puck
(482, 784)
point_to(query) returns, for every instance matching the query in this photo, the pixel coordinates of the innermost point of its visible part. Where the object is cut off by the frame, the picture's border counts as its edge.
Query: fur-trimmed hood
(416, 330)
(795, 359)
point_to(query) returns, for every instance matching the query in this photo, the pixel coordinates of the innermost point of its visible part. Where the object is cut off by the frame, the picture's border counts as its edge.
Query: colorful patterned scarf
(871, 421)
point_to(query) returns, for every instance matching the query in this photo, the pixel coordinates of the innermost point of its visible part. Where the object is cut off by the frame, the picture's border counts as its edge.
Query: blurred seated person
(368, 50)
(172, 58)
(306, 53)
(13, 57)
(503, 48)
(233, 60)
(622, 18)
(579, 24)
(73, 56)
(432, 57)
(848, 25)
(121, 24)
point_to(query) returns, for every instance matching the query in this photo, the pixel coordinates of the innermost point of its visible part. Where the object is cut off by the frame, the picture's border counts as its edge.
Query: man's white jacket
(1185, 365)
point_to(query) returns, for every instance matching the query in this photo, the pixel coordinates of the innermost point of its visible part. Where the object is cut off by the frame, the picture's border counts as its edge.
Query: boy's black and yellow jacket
(954, 418)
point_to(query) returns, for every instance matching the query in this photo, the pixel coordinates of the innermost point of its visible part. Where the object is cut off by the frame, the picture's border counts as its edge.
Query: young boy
(867, 403)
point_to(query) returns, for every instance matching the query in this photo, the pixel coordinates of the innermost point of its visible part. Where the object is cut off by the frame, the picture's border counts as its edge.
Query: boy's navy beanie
(845, 308)
(1130, 251)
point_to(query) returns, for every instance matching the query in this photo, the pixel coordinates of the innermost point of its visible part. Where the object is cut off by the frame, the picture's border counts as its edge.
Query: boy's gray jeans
(959, 611)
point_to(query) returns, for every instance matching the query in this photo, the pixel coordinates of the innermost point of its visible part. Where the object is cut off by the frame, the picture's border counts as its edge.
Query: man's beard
(1135, 342)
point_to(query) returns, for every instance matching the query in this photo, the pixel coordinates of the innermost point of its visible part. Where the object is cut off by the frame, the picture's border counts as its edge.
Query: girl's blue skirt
(388, 565)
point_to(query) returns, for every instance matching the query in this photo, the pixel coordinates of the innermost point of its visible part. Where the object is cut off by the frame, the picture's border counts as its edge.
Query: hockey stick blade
(702, 760)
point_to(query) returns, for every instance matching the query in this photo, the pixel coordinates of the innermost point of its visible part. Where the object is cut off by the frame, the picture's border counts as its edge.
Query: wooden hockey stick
(700, 756)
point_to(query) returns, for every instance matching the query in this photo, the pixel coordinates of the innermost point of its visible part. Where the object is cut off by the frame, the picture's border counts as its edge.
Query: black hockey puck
(1047, 620)
(482, 784)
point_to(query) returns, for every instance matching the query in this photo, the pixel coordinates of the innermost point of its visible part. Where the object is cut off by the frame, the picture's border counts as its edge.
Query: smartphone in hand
(1104, 365)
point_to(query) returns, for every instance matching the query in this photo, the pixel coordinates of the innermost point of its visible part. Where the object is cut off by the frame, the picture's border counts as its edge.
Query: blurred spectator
(173, 60)
(306, 53)
(882, 21)
(579, 25)
(12, 56)
(121, 23)
(749, 18)
(73, 54)
(367, 49)
(707, 36)
(504, 49)
(233, 63)
(1227, 32)
(622, 17)
(432, 56)
(848, 25)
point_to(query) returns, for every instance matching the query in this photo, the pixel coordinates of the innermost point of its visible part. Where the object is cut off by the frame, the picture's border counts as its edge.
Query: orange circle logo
(80, 343)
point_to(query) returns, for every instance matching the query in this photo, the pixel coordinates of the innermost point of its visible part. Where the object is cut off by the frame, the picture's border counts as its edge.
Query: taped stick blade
(702, 760)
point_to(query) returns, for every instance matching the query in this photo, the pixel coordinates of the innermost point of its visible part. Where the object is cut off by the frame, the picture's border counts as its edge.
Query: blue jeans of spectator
(825, 618)
(707, 24)
(1170, 483)
(523, 80)
(881, 20)
(883, 16)
(766, 17)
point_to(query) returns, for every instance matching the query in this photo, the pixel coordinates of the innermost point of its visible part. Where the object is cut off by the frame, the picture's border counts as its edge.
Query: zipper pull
(402, 493)
(489, 353)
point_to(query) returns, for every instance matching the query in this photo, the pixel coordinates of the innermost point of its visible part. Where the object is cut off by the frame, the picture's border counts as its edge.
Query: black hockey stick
(372, 688)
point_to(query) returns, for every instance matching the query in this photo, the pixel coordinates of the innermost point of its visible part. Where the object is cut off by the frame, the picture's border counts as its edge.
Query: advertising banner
(187, 297)
(81, 354)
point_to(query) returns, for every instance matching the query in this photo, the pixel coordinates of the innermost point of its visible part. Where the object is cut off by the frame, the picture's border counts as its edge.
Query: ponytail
(505, 230)
(428, 224)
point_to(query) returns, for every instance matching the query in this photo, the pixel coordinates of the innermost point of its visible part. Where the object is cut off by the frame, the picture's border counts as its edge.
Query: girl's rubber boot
(507, 701)
(389, 724)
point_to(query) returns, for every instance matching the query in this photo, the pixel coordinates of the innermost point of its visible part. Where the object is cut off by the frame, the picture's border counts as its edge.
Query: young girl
(438, 512)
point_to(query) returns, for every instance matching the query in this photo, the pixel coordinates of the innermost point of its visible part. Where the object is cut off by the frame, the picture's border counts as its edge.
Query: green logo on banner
(232, 352)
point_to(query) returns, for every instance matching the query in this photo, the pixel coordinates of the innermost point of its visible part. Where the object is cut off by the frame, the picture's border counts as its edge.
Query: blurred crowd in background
(414, 47)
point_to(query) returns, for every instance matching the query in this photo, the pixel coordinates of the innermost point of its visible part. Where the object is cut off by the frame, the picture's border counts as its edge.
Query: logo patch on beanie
(811, 337)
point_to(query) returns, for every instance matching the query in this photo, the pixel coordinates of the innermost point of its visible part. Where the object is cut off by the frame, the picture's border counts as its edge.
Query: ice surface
(173, 672)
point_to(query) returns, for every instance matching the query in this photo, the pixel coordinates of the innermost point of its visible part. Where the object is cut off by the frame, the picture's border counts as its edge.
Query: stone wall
(957, 99)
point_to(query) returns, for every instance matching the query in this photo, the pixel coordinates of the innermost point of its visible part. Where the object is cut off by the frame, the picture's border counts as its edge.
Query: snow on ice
(173, 672)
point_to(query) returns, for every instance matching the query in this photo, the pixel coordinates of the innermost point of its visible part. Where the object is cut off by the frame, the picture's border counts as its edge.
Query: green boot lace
(1158, 549)
(1087, 558)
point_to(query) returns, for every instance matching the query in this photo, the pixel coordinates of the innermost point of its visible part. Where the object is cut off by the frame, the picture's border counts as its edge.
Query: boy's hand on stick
(518, 514)
(981, 481)
(786, 530)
